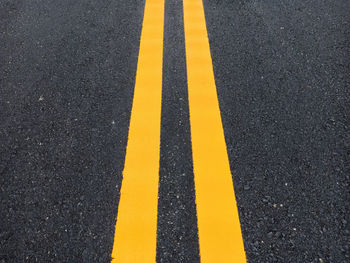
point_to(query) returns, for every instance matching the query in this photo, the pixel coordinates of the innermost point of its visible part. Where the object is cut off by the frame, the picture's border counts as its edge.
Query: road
(69, 71)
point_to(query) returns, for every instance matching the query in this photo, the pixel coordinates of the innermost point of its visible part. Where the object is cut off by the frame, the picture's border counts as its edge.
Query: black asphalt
(67, 76)
(67, 73)
(282, 74)
(177, 222)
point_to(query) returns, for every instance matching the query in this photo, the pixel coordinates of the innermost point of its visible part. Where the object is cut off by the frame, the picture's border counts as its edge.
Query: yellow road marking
(136, 226)
(220, 238)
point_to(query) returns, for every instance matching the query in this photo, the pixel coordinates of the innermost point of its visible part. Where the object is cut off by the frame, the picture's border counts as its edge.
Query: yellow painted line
(219, 231)
(136, 226)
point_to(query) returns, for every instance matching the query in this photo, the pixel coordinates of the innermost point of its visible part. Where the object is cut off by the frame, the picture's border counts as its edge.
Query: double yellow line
(219, 232)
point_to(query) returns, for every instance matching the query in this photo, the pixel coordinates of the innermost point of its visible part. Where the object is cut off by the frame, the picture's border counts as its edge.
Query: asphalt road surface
(67, 78)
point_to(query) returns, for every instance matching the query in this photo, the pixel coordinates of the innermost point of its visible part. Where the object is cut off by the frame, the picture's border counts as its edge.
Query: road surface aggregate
(67, 76)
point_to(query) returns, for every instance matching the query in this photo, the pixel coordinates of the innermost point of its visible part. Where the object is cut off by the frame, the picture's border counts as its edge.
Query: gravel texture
(67, 72)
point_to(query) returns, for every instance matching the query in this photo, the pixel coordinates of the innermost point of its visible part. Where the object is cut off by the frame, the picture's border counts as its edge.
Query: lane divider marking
(136, 225)
(219, 231)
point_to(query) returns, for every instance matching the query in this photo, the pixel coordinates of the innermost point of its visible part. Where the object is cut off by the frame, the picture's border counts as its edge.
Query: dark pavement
(67, 73)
